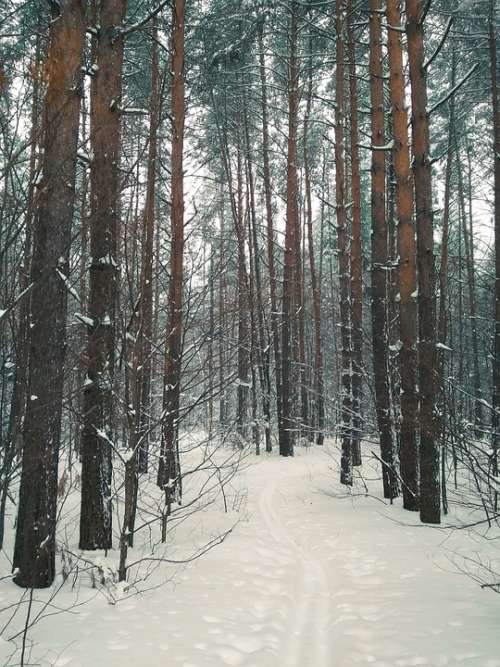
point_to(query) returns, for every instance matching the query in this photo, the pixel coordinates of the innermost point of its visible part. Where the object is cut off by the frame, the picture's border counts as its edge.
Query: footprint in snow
(118, 647)
(247, 644)
(230, 656)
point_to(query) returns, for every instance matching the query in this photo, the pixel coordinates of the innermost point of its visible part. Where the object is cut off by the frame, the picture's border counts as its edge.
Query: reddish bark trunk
(380, 258)
(34, 551)
(407, 261)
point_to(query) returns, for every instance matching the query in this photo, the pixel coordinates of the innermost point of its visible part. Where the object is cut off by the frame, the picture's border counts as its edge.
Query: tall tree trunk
(287, 436)
(443, 288)
(380, 257)
(261, 353)
(222, 318)
(407, 261)
(82, 278)
(244, 332)
(169, 467)
(13, 444)
(356, 253)
(140, 375)
(34, 551)
(318, 421)
(18, 404)
(270, 239)
(143, 346)
(392, 297)
(478, 399)
(343, 252)
(476, 406)
(430, 499)
(255, 359)
(210, 352)
(496, 151)
(443, 268)
(299, 303)
(98, 426)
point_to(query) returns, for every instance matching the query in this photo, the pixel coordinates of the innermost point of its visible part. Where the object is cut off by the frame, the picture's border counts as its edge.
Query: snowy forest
(249, 333)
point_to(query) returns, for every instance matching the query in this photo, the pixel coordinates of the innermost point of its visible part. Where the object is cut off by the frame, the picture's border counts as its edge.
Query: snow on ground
(307, 577)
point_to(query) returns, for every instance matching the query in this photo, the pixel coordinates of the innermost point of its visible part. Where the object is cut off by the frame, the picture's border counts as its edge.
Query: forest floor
(308, 576)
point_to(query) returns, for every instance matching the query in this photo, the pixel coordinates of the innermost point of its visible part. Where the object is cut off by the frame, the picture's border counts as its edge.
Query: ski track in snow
(310, 608)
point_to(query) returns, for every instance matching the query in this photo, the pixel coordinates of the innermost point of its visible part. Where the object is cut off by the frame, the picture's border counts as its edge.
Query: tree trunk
(222, 318)
(430, 500)
(380, 258)
(356, 253)
(98, 426)
(143, 351)
(317, 423)
(299, 333)
(18, 404)
(142, 320)
(34, 551)
(407, 261)
(169, 467)
(496, 145)
(443, 289)
(443, 268)
(476, 406)
(270, 240)
(244, 333)
(261, 354)
(13, 445)
(287, 434)
(343, 253)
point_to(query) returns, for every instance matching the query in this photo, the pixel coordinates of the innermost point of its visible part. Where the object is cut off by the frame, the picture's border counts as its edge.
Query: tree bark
(143, 344)
(169, 467)
(244, 330)
(443, 289)
(13, 444)
(478, 399)
(34, 551)
(270, 239)
(466, 227)
(98, 426)
(222, 318)
(356, 252)
(287, 434)
(496, 145)
(318, 421)
(343, 252)
(430, 498)
(407, 261)
(261, 354)
(380, 258)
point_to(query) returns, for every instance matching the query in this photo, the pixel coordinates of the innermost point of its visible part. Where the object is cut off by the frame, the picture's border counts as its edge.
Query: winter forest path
(310, 616)
(307, 578)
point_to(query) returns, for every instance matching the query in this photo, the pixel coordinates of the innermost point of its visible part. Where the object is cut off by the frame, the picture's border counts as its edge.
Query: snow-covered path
(305, 579)
(310, 617)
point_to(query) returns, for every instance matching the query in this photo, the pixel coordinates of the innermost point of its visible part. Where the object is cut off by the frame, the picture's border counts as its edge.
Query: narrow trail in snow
(309, 636)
